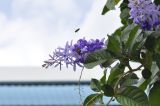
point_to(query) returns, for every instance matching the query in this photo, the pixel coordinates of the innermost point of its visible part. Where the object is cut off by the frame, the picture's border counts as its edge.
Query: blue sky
(5, 6)
(32, 29)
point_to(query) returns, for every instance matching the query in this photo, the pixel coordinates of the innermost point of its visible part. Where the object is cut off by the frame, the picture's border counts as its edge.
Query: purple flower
(74, 54)
(60, 56)
(82, 48)
(145, 13)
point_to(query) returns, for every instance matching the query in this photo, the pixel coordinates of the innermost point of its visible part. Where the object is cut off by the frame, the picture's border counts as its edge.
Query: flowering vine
(136, 41)
(74, 54)
(145, 13)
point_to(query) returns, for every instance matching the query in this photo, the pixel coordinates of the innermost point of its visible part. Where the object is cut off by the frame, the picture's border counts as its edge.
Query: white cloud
(24, 42)
(36, 27)
(97, 25)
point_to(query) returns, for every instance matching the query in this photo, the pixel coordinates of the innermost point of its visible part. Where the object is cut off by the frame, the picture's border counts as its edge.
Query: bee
(77, 30)
(78, 51)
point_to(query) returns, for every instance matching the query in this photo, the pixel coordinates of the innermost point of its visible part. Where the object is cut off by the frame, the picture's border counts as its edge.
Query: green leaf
(157, 45)
(114, 45)
(146, 73)
(105, 10)
(124, 5)
(150, 43)
(143, 83)
(132, 96)
(97, 58)
(115, 73)
(155, 70)
(119, 31)
(147, 61)
(132, 37)
(103, 79)
(157, 2)
(125, 16)
(108, 63)
(108, 90)
(124, 13)
(153, 42)
(92, 99)
(110, 5)
(154, 95)
(95, 85)
(125, 33)
(133, 76)
(157, 58)
(116, 1)
(129, 80)
(136, 49)
(115, 39)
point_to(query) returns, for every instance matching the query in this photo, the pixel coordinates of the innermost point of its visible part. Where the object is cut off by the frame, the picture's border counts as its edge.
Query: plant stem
(79, 89)
(109, 101)
(117, 82)
(138, 68)
(132, 70)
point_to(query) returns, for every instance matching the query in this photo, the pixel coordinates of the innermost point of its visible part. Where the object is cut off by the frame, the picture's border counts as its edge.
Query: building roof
(43, 93)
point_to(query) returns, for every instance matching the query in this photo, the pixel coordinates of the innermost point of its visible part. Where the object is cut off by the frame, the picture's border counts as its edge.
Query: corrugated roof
(42, 93)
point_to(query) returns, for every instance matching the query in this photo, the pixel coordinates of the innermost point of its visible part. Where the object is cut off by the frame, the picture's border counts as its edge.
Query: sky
(31, 29)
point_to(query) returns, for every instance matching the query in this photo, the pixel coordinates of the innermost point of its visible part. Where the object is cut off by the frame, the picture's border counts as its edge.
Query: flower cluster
(74, 54)
(145, 13)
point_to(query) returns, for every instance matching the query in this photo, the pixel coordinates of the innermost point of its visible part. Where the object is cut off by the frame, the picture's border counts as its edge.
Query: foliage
(133, 42)
(129, 43)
